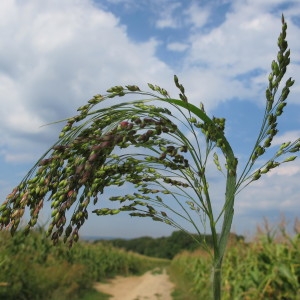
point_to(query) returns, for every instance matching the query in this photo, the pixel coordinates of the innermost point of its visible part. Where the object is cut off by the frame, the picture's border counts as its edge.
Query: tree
(154, 146)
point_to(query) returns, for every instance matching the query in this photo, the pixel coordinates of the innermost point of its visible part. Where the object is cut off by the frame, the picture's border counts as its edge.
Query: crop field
(32, 268)
(266, 268)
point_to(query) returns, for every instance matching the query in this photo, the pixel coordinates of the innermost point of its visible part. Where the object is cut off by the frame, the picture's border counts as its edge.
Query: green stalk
(219, 244)
(224, 236)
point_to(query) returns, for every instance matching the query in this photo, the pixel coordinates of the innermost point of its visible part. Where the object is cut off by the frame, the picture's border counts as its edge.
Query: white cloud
(245, 43)
(167, 17)
(278, 190)
(178, 47)
(197, 16)
(55, 56)
(286, 170)
(288, 136)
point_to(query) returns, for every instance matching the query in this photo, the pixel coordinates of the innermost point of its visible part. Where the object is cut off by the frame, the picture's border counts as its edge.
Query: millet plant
(156, 146)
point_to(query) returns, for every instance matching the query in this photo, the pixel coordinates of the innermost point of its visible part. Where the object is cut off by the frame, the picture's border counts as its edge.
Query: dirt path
(150, 286)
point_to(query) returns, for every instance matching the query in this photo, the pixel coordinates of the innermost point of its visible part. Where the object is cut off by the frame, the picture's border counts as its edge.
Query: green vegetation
(266, 268)
(161, 153)
(164, 247)
(31, 268)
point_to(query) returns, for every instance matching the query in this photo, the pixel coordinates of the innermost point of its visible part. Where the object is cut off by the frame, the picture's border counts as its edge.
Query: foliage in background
(31, 268)
(266, 268)
(164, 247)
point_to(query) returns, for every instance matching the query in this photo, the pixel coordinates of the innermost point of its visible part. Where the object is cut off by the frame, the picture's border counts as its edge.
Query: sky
(55, 55)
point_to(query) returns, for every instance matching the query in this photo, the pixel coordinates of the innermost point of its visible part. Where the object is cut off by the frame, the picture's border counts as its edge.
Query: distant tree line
(163, 247)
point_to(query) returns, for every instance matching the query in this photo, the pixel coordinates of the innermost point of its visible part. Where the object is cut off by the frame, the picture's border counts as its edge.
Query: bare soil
(150, 286)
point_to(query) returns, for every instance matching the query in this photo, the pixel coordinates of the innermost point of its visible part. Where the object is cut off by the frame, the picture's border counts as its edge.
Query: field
(268, 267)
(31, 268)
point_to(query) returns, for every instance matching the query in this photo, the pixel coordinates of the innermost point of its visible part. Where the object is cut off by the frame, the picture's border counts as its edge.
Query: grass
(266, 268)
(95, 295)
(182, 272)
(31, 268)
(183, 286)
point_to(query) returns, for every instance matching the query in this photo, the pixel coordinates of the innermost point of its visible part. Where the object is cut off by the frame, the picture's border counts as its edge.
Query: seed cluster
(140, 144)
(90, 157)
(274, 109)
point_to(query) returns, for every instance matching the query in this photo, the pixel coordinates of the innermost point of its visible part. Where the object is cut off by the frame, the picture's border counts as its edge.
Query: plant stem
(226, 226)
(217, 279)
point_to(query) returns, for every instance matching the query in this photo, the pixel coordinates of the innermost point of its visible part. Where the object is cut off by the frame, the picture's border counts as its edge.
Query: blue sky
(56, 55)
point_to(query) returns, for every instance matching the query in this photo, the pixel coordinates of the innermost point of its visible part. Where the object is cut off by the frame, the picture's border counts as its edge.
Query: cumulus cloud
(167, 18)
(287, 170)
(179, 47)
(275, 193)
(196, 15)
(55, 56)
(286, 137)
(243, 46)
